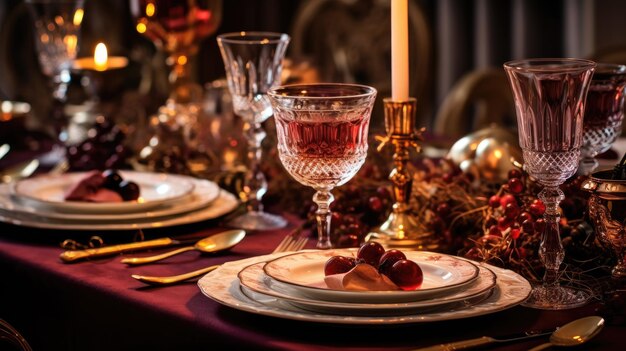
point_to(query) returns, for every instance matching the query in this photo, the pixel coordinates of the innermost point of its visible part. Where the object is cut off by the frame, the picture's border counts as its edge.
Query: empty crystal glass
(604, 112)
(57, 31)
(550, 102)
(253, 63)
(322, 138)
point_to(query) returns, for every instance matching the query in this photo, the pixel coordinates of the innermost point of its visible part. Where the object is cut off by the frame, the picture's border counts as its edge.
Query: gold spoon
(574, 333)
(213, 243)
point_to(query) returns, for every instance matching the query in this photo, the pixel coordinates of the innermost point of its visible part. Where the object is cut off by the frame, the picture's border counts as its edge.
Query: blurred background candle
(399, 50)
(105, 74)
(100, 61)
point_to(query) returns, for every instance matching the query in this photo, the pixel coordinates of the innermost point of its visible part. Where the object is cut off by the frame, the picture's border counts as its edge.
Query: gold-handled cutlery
(77, 255)
(289, 243)
(211, 244)
(572, 333)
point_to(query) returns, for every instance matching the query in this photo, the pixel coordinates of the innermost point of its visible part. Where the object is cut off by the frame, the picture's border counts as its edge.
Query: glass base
(557, 298)
(257, 221)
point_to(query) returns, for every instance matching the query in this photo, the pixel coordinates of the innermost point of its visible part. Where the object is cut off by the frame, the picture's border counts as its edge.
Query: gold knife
(77, 255)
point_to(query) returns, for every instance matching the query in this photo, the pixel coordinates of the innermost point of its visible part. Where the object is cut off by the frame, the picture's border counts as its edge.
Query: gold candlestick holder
(401, 228)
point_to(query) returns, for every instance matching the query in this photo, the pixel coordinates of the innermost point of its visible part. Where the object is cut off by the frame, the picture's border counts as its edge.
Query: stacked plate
(292, 286)
(165, 200)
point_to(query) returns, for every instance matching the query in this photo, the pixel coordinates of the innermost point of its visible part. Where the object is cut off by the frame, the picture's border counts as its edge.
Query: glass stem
(323, 199)
(59, 117)
(551, 250)
(255, 184)
(184, 90)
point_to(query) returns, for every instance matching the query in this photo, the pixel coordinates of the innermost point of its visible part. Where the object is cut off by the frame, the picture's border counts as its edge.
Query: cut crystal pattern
(551, 168)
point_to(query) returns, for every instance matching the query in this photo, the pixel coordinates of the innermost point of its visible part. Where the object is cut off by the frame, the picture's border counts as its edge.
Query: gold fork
(289, 243)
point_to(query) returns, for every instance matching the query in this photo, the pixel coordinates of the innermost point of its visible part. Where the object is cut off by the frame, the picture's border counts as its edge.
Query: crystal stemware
(253, 63)
(176, 27)
(57, 31)
(322, 138)
(604, 112)
(550, 101)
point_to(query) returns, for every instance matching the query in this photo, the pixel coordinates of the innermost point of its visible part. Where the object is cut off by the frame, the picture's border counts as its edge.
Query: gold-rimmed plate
(303, 272)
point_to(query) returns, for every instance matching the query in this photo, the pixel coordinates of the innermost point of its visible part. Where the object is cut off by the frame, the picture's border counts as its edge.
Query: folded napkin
(363, 277)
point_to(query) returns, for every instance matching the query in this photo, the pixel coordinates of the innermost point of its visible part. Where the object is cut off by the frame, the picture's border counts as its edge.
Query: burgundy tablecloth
(96, 305)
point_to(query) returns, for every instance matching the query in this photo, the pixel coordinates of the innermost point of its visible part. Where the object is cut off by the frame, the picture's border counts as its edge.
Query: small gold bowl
(607, 210)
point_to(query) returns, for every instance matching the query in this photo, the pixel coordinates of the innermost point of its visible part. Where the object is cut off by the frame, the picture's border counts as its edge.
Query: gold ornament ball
(491, 150)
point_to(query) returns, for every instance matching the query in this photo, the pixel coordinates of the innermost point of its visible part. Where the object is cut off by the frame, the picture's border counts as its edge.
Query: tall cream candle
(399, 50)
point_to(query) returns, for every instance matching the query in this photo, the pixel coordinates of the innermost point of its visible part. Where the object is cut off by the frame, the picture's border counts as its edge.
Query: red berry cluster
(354, 212)
(405, 273)
(513, 217)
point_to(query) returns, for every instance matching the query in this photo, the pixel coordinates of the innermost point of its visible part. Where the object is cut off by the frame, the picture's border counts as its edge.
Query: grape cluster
(113, 181)
(406, 274)
(102, 149)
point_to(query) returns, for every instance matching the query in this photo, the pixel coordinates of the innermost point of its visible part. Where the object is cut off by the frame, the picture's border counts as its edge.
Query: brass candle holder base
(401, 228)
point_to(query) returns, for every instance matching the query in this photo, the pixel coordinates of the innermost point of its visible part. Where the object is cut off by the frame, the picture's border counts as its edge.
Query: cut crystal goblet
(604, 112)
(322, 138)
(57, 32)
(550, 102)
(253, 63)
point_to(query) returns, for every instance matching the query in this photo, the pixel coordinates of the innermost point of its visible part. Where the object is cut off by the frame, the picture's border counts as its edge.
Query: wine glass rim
(252, 37)
(299, 88)
(607, 71)
(550, 64)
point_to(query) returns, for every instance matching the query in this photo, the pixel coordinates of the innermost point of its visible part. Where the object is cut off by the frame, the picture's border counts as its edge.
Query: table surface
(96, 305)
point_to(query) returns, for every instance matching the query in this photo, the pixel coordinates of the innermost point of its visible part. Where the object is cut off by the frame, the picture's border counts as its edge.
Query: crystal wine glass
(550, 101)
(604, 112)
(176, 27)
(253, 63)
(57, 31)
(322, 138)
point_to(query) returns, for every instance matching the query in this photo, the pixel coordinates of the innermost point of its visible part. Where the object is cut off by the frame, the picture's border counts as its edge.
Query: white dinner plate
(48, 191)
(222, 285)
(256, 286)
(270, 300)
(203, 194)
(225, 203)
(304, 273)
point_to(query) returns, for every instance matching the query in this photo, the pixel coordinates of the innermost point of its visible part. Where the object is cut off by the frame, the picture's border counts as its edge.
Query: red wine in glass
(323, 154)
(177, 26)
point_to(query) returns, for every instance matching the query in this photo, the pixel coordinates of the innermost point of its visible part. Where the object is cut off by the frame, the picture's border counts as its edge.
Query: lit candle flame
(100, 57)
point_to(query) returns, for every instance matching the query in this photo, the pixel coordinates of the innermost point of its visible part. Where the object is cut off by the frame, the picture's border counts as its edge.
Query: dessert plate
(225, 203)
(203, 194)
(254, 284)
(304, 273)
(48, 191)
(222, 285)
